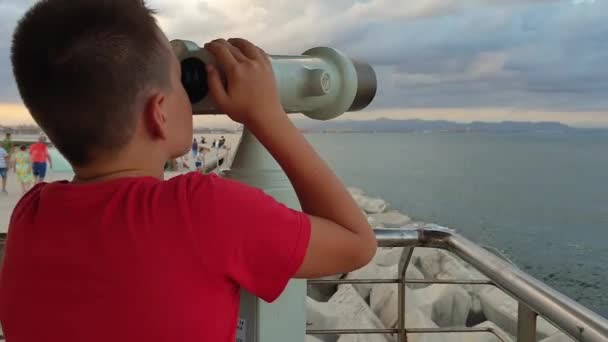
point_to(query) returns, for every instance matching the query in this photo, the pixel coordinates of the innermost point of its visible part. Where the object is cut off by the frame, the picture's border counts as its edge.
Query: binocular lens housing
(194, 79)
(322, 83)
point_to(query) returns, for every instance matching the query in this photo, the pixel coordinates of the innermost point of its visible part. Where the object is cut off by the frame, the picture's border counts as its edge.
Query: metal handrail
(534, 297)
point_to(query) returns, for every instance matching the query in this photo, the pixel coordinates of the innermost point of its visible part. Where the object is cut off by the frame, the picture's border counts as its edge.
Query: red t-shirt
(139, 259)
(39, 152)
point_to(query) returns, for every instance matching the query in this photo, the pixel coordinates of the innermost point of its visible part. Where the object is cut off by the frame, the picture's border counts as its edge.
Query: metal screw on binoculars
(322, 84)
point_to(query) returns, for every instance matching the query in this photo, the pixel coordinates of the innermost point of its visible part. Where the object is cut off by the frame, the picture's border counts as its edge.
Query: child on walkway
(23, 168)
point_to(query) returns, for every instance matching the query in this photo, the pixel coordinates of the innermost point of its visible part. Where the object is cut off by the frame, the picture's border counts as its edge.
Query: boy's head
(98, 76)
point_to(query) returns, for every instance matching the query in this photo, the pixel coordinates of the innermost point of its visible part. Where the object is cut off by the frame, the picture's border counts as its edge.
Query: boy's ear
(155, 118)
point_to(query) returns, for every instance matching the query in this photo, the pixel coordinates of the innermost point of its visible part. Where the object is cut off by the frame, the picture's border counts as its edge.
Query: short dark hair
(81, 67)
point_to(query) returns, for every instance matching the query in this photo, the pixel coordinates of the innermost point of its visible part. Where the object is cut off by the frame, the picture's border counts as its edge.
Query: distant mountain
(391, 125)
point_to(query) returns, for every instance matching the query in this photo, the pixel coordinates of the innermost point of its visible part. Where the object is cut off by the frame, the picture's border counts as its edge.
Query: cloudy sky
(461, 60)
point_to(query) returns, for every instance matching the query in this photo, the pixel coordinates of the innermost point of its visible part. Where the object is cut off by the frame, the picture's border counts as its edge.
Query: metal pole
(283, 319)
(404, 261)
(526, 324)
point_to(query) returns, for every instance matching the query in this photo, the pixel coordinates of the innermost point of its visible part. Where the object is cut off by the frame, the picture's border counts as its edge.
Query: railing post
(526, 324)
(404, 261)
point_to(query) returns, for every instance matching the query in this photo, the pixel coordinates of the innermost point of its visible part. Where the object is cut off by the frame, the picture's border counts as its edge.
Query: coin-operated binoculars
(322, 84)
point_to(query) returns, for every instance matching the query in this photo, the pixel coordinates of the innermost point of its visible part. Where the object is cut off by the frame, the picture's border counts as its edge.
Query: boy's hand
(251, 94)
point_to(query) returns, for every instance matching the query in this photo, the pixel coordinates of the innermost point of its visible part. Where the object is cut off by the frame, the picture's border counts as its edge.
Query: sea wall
(427, 305)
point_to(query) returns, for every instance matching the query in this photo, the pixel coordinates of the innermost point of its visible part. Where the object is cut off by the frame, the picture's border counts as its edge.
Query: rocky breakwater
(370, 306)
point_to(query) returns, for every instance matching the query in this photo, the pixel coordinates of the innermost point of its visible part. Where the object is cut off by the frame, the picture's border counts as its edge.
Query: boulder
(444, 305)
(364, 338)
(373, 222)
(447, 305)
(353, 312)
(355, 191)
(386, 256)
(476, 315)
(428, 261)
(559, 337)
(413, 273)
(391, 219)
(323, 292)
(310, 338)
(462, 337)
(488, 337)
(501, 309)
(371, 205)
(371, 271)
(321, 316)
(439, 264)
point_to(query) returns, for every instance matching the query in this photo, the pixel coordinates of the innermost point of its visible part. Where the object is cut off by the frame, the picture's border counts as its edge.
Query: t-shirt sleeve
(259, 243)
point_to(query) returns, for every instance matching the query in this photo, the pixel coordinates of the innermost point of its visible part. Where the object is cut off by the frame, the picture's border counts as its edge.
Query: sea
(539, 198)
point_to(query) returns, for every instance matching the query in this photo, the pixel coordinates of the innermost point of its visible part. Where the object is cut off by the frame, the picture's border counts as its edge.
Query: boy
(118, 254)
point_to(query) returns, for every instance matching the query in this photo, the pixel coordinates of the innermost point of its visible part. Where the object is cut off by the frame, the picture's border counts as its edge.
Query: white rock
(502, 310)
(392, 219)
(353, 312)
(355, 191)
(371, 271)
(425, 322)
(462, 337)
(440, 264)
(413, 273)
(453, 268)
(310, 338)
(390, 257)
(488, 337)
(321, 316)
(445, 305)
(370, 205)
(373, 222)
(428, 261)
(559, 337)
(476, 315)
(386, 256)
(363, 338)
(322, 292)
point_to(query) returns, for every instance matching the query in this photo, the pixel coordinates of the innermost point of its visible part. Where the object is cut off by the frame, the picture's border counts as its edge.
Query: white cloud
(526, 54)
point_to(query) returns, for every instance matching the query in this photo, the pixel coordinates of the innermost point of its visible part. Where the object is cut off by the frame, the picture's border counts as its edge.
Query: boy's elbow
(367, 251)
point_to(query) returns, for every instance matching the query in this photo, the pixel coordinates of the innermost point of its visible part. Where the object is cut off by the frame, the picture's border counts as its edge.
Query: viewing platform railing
(535, 298)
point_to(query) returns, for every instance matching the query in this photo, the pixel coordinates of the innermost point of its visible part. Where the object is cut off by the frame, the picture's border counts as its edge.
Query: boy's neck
(83, 176)
(121, 166)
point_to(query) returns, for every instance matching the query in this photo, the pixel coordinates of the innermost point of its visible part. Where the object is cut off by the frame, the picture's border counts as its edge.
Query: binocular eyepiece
(322, 83)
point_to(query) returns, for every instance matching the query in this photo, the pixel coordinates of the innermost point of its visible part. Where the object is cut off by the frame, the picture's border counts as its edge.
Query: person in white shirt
(3, 168)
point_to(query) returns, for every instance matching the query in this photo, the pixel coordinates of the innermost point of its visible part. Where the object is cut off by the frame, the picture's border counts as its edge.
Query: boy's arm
(341, 239)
